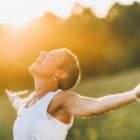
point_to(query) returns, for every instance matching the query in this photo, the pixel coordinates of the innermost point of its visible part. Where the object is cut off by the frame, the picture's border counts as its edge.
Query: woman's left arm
(83, 106)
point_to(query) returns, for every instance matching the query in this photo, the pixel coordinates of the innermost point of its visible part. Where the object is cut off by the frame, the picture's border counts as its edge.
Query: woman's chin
(31, 68)
(34, 68)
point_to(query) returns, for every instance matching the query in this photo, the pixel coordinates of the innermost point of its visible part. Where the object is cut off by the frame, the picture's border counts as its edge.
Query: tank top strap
(47, 99)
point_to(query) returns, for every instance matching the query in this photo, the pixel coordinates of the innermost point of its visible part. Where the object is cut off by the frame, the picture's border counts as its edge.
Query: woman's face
(47, 63)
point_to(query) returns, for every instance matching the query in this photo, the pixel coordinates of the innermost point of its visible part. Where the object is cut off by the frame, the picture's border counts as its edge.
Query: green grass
(120, 124)
(97, 87)
(7, 116)
(123, 123)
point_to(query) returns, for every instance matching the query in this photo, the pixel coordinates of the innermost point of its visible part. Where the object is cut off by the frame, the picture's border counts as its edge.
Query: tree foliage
(103, 45)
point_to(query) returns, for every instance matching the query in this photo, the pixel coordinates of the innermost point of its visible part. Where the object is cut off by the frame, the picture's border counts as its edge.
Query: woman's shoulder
(70, 93)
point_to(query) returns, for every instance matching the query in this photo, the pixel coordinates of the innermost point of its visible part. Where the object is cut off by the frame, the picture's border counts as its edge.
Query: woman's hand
(14, 97)
(18, 93)
(137, 90)
(11, 94)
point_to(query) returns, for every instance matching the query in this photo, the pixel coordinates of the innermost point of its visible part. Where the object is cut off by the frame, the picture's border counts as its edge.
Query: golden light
(20, 12)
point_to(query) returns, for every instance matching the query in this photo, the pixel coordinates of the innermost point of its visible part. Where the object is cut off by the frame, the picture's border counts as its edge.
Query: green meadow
(120, 124)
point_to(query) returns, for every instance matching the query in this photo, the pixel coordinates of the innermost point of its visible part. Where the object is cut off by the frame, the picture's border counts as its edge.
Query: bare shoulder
(70, 94)
(64, 98)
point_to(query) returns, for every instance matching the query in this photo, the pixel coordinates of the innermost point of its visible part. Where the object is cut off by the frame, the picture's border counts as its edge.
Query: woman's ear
(61, 74)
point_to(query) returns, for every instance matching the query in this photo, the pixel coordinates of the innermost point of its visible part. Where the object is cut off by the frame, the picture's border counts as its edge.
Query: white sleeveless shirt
(35, 123)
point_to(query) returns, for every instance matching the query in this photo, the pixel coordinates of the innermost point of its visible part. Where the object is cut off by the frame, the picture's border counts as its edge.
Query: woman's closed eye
(50, 55)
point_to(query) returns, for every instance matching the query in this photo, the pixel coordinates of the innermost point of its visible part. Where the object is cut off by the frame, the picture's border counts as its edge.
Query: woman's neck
(44, 85)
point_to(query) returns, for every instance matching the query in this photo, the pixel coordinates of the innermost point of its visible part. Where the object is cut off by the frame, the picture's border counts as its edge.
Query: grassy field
(123, 123)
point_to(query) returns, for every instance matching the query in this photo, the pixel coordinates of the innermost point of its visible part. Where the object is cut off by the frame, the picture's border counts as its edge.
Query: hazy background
(105, 35)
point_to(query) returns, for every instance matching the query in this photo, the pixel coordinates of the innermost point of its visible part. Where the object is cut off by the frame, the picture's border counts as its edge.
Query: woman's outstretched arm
(15, 98)
(83, 106)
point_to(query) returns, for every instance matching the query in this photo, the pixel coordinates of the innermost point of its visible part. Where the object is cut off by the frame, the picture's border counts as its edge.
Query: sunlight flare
(20, 12)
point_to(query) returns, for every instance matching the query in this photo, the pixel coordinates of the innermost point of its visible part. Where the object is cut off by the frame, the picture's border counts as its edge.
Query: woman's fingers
(8, 91)
(137, 89)
(9, 94)
(13, 95)
(23, 92)
(19, 93)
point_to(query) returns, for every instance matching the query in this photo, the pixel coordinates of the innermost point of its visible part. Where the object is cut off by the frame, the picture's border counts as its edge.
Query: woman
(48, 113)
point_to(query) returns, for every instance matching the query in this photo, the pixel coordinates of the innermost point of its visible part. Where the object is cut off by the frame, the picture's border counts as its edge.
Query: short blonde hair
(72, 67)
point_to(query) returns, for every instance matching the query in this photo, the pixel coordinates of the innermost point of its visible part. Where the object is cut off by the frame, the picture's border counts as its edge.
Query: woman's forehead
(58, 51)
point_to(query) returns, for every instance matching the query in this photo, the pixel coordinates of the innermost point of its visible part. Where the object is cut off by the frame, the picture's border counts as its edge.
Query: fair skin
(45, 70)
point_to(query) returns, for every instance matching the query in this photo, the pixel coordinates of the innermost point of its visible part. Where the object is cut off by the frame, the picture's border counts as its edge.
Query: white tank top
(35, 123)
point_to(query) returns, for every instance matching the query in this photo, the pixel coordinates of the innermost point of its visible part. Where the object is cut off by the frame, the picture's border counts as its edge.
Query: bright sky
(19, 12)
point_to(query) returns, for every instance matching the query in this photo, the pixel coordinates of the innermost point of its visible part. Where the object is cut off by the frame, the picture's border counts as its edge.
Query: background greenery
(108, 50)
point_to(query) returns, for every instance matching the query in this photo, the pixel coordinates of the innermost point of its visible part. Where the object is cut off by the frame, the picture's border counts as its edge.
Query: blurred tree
(125, 25)
(98, 43)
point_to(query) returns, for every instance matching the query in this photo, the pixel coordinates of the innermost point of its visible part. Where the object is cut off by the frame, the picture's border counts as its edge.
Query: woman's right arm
(15, 98)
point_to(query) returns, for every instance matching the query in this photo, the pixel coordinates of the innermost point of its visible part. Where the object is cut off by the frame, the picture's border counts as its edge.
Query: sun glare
(20, 12)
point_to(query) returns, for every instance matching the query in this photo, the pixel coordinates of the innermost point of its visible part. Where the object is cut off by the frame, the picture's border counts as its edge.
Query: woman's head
(61, 65)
